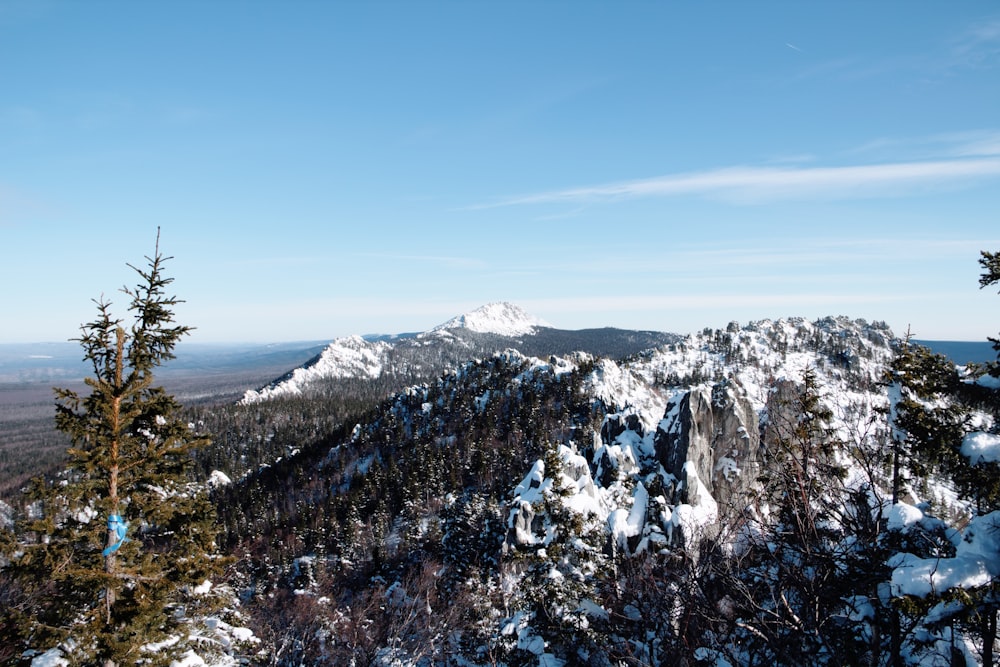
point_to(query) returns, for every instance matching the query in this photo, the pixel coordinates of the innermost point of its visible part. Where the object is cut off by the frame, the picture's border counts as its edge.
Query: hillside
(779, 492)
(398, 361)
(580, 508)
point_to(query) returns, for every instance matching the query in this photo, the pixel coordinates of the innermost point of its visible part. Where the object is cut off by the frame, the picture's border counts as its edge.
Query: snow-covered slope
(416, 358)
(594, 464)
(349, 357)
(501, 318)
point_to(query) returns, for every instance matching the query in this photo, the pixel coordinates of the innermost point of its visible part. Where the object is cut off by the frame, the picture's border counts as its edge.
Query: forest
(778, 492)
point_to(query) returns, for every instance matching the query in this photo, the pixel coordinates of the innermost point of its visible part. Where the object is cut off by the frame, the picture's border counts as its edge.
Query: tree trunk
(989, 633)
(111, 560)
(895, 657)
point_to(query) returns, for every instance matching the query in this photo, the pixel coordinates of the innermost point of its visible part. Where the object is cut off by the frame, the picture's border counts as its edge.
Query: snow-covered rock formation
(688, 419)
(714, 432)
(413, 358)
(501, 318)
(349, 357)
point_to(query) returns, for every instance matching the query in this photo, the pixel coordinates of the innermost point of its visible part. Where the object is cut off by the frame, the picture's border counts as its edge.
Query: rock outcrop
(712, 432)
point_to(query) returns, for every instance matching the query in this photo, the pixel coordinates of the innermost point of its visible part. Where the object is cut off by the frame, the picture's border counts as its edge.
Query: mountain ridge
(548, 474)
(416, 357)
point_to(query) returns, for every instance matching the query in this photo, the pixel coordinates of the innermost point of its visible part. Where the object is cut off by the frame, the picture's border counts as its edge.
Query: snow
(981, 447)
(988, 381)
(692, 519)
(531, 487)
(86, 514)
(503, 319)
(51, 658)
(244, 635)
(902, 516)
(976, 563)
(218, 478)
(593, 610)
(584, 498)
(6, 516)
(621, 385)
(190, 659)
(347, 357)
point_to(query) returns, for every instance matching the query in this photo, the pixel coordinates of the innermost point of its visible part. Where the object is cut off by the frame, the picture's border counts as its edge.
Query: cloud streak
(443, 260)
(762, 184)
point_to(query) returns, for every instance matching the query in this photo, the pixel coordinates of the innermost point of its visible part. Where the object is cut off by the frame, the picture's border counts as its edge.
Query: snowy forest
(778, 492)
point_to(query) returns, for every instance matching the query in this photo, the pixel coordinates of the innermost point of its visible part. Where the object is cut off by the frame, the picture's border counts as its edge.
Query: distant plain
(29, 442)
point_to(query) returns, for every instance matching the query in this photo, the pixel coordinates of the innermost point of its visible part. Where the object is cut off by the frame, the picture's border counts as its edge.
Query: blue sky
(320, 169)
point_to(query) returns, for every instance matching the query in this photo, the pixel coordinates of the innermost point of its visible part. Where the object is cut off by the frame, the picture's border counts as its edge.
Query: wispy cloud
(445, 260)
(979, 45)
(975, 144)
(947, 146)
(748, 184)
(770, 258)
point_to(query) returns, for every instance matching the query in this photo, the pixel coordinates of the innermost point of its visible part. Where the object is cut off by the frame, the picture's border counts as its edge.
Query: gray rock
(716, 428)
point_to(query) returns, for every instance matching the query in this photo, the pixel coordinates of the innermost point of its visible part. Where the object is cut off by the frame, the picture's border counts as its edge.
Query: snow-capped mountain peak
(502, 318)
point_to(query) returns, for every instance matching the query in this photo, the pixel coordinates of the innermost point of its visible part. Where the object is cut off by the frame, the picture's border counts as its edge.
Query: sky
(321, 169)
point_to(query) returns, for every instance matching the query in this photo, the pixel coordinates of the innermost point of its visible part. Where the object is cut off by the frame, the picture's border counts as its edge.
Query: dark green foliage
(473, 529)
(990, 261)
(926, 412)
(932, 416)
(130, 456)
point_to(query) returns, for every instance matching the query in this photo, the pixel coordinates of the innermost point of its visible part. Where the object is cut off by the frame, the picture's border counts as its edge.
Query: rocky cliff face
(710, 431)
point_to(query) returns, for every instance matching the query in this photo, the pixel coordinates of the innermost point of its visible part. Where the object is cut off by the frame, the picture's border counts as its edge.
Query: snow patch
(981, 447)
(901, 516)
(976, 563)
(503, 319)
(51, 658)
(190, 659)
(348, 357)
(218, 478)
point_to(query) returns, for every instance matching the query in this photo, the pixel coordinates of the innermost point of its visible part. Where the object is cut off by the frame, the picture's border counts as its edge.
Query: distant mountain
(503, 319)
(405, 359)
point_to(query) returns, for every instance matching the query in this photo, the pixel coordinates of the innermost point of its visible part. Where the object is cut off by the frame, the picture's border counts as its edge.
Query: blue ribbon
(120, 527)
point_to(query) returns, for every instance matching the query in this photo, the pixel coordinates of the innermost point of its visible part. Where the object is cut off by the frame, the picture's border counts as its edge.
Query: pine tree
(931, 417)
(113, 550)
(990, 261)
(788, 589)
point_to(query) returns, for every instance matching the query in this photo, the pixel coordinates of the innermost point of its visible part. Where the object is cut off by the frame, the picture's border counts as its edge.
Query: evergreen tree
(990, 261)
(788, 589)
(927, 421)
(112, 551)
(931, 413)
